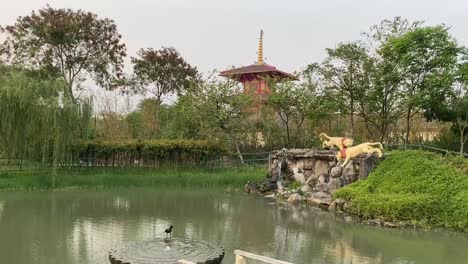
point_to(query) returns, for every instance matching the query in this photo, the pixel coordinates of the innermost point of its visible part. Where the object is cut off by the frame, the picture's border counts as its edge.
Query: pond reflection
(81, 227)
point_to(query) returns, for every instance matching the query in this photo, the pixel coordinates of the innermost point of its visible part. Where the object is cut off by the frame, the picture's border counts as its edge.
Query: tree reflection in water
(81, 227)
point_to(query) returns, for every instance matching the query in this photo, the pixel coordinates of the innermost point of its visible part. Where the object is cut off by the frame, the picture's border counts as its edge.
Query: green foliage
(221, 109)
(135, 124)
(131, 177)
(295, 104)
(36, 123)
(66, 43)
(162, 72)
(446, 139)
(424, 63)
(177, 152)
(345, 75)
(453, 108)
(416, 186)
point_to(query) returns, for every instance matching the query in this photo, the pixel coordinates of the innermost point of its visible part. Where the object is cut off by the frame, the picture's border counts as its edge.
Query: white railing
(185, 262)
(242, 256)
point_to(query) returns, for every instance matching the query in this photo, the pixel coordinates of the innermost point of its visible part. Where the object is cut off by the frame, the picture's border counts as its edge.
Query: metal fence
(254, 159)
(424, 147)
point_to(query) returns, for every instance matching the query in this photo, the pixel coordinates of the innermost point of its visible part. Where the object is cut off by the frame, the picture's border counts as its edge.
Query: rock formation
(317, 173)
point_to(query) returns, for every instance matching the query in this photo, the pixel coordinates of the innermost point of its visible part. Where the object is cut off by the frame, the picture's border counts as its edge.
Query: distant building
(253, 76)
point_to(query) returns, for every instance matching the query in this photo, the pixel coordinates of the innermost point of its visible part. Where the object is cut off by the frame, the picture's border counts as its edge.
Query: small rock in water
(348, 219)
(375, 222)
(390, 225)
(340, 201)
(295, 198)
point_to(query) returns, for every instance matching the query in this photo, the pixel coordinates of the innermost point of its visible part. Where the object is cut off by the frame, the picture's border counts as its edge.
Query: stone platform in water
(167, 251)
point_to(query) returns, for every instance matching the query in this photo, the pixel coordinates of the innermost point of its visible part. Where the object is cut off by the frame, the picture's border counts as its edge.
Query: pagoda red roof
(257, 69)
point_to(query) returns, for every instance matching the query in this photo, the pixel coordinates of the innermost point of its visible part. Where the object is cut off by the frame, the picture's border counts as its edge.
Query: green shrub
(413, 185)
(149, 153)
(447, 139)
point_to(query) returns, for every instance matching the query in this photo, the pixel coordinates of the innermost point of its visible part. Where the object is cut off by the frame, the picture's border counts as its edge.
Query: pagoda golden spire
(260, 49)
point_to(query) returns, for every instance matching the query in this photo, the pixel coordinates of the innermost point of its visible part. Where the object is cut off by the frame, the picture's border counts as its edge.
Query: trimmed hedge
(180, 152)
(414, 185)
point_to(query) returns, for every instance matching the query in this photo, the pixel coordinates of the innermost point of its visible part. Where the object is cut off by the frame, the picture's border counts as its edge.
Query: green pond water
(50, 227)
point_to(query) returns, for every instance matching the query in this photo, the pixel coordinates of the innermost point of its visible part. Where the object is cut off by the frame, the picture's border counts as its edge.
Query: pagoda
(253, 77)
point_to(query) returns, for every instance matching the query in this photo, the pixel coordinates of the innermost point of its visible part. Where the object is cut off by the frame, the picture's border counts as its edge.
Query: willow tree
(71, 44)
(37, 122)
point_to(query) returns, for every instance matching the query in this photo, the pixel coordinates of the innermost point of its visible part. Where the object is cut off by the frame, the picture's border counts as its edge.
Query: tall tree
(162, 72)
(296, 102)
(149, 113)
(222, 105)
(380, 104)
(453, 107)
(68, 43)
(380, 33)
(422, 60)
(344, 74)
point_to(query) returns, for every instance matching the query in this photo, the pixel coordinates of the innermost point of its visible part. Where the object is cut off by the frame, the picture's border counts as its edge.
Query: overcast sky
(217, 34)
(214, 34)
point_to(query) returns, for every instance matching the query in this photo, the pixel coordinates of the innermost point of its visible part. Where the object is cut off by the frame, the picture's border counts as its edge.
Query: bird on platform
(168, 231)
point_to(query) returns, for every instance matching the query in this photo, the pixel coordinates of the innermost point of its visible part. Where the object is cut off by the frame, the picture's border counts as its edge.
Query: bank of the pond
(109, 177)
(416, 187)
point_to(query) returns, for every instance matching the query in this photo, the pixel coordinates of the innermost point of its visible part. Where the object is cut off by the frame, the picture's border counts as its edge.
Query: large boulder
(336, 172)
(321, 187)
(349, 176)
(306, 188)
(308, 164)
(299, 176)
(312, 180)
(322, 195)
(323, 178)
(321, 167)
(308, 174)
(333, 185)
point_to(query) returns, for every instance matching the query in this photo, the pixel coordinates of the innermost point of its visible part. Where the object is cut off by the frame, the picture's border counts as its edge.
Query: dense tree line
(375, 88)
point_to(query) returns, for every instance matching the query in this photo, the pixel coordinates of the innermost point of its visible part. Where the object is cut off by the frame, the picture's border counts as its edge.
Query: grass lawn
(422, 187)
(108, 177)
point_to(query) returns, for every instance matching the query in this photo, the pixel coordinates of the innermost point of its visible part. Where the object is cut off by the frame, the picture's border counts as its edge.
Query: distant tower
(253, 76)
(260, 49)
